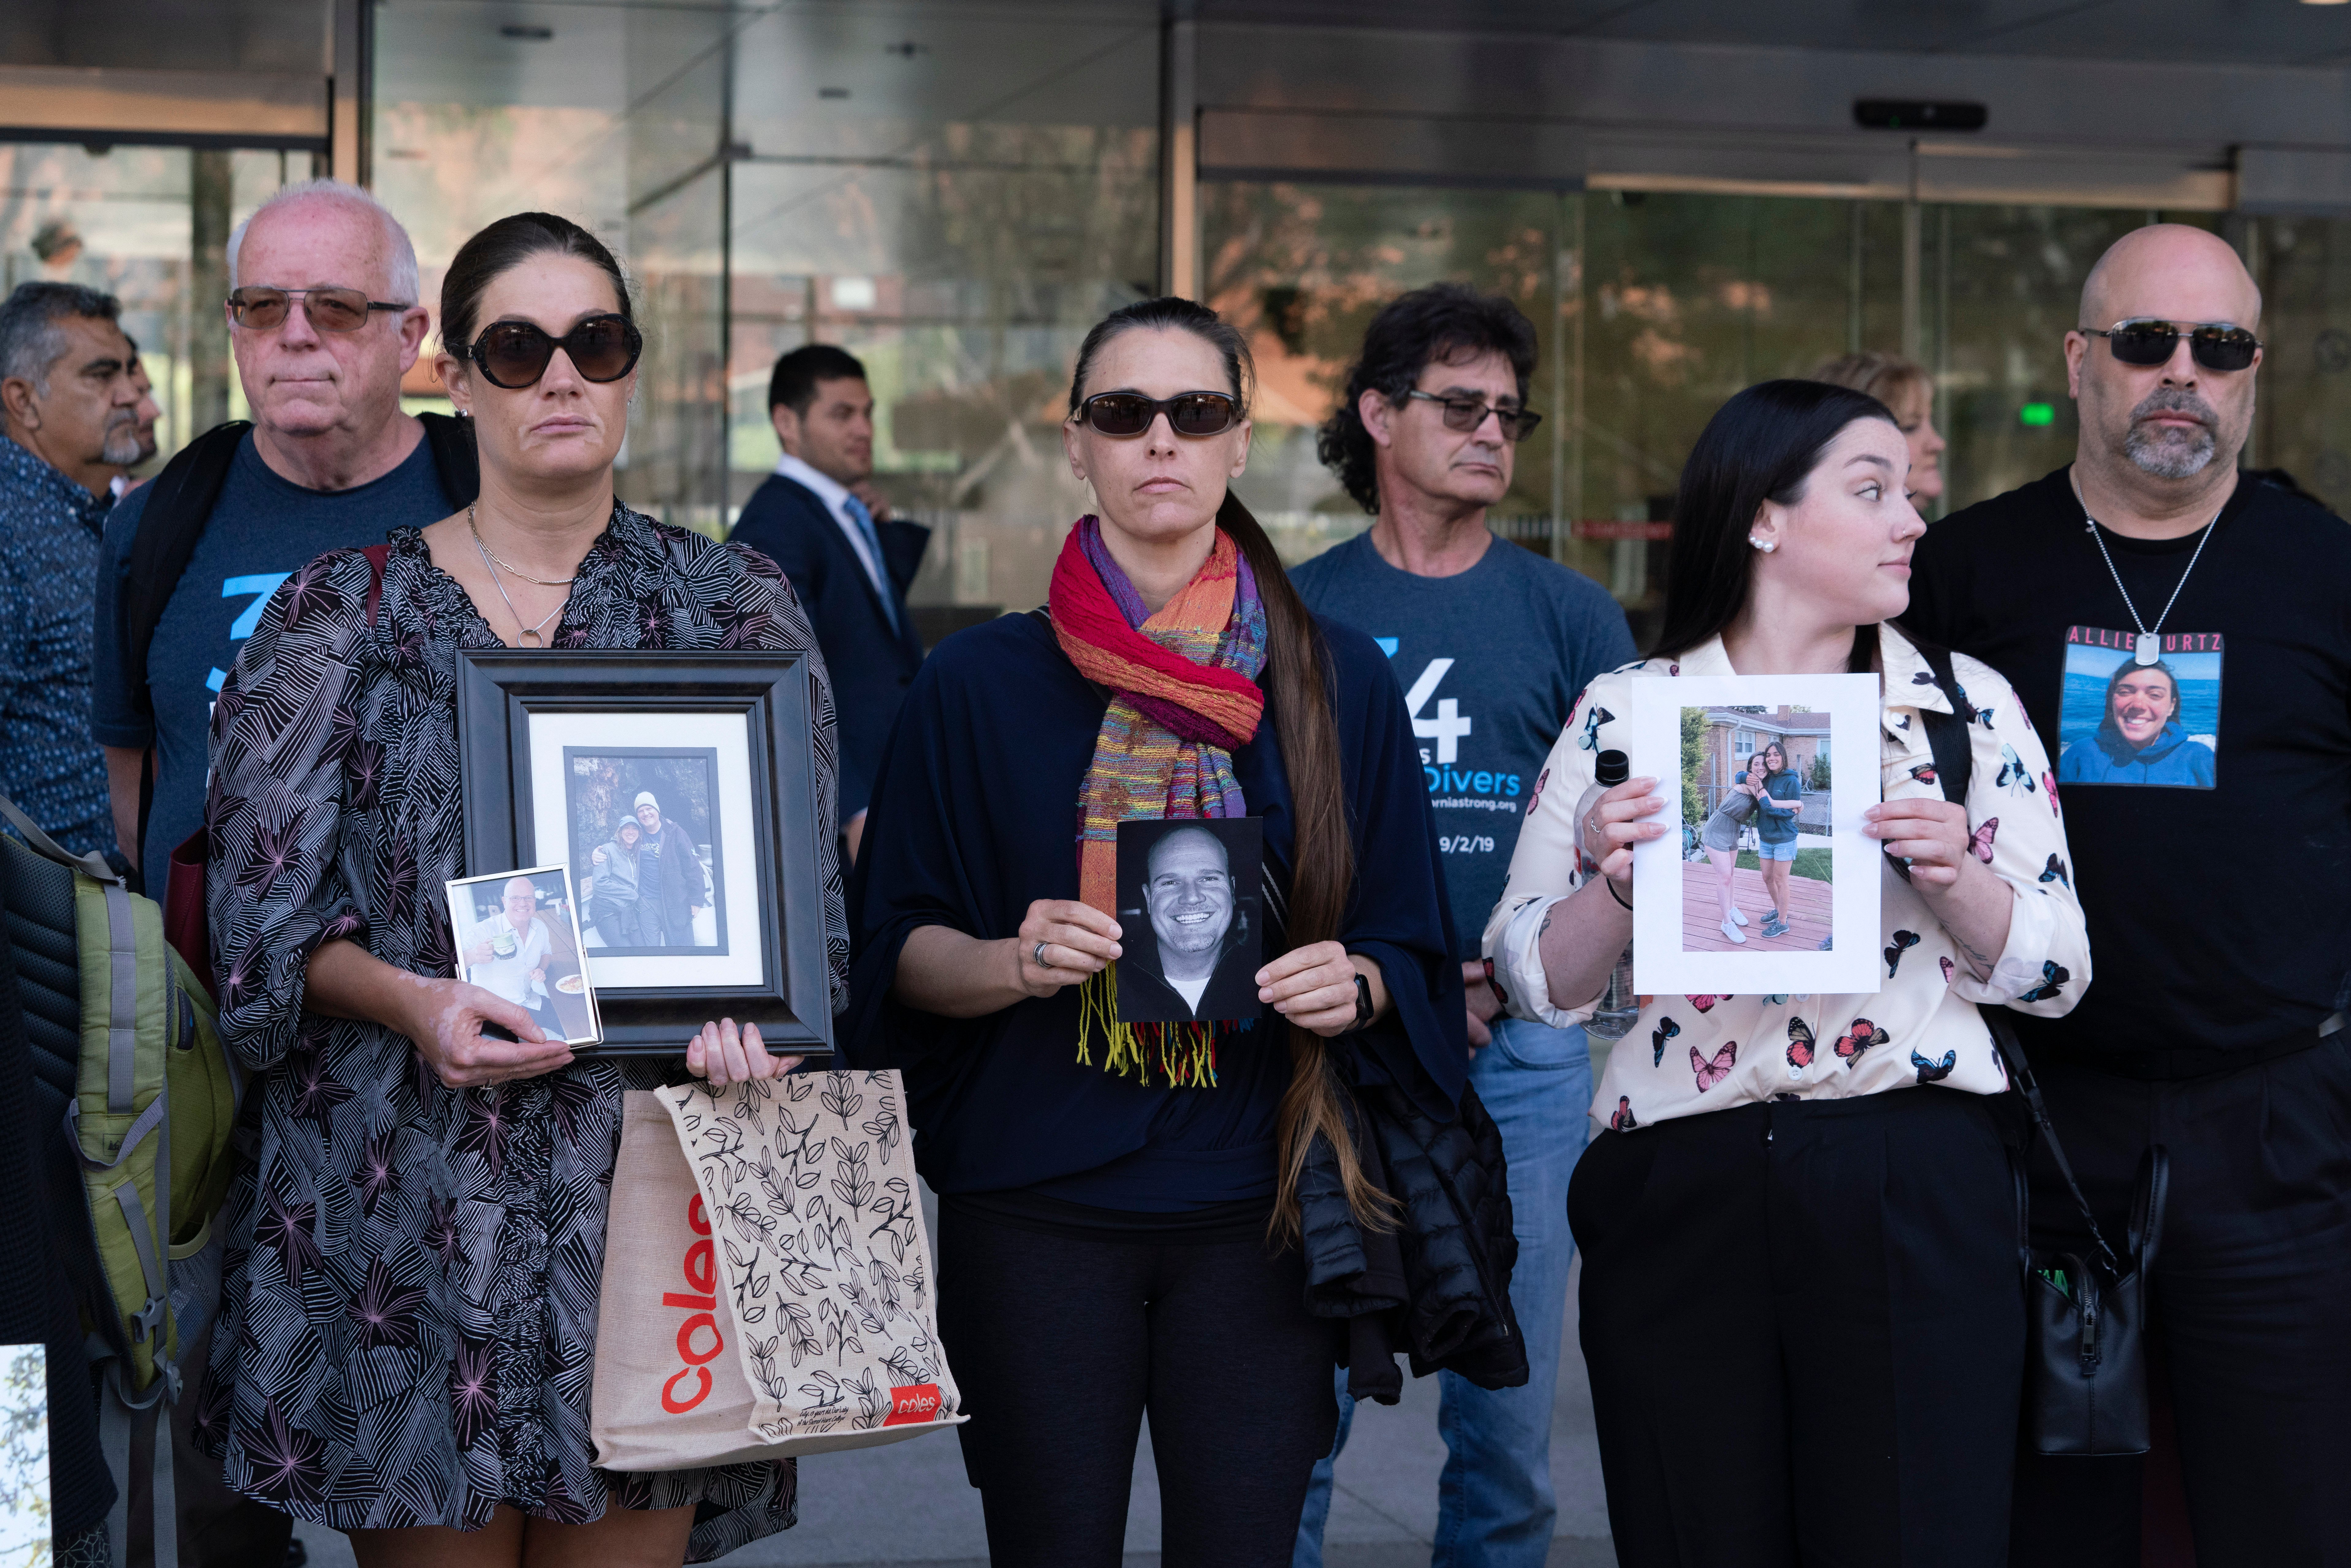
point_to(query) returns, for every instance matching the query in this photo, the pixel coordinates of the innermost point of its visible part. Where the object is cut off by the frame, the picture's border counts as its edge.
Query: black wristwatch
(1363, 1009)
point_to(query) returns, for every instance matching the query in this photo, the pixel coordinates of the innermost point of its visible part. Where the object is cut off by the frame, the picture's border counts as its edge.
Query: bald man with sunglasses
(2216, 896)
(324, 321)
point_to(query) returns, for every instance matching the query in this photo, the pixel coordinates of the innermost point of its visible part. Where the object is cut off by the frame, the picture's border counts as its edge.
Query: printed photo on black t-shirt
(2126, 718)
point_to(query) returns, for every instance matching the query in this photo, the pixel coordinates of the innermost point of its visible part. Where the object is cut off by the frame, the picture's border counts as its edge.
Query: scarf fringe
(1165, 1055)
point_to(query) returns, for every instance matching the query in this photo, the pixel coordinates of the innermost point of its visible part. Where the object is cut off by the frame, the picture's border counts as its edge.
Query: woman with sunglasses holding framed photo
(410, 1322)
(1119, 1206)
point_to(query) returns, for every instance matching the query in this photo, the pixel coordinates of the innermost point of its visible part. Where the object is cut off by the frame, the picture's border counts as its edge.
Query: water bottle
(1620, 1008)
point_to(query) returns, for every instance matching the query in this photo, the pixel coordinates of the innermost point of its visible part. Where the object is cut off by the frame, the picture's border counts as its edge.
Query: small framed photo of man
(517, 937)
(1189, 910)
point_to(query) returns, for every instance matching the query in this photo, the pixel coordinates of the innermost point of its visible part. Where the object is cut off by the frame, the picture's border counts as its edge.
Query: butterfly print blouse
(1689, 1054)
(408, 1321)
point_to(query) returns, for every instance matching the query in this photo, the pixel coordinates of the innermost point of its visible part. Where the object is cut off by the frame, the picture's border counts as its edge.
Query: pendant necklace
(2149, 647)
(530, 634)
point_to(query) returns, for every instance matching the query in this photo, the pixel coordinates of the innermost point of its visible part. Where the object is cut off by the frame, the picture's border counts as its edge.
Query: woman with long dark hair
(1802, 1308)
(1119, 1204)
(408, 1323)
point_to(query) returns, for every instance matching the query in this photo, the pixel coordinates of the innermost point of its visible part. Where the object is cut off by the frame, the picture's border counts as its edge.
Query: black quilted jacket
(1437, 1286)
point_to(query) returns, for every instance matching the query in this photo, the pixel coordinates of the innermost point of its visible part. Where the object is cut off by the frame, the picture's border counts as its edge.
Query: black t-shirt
(2207, 796)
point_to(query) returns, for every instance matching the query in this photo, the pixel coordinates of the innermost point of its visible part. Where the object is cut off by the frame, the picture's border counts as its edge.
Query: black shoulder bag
(2086, 1362)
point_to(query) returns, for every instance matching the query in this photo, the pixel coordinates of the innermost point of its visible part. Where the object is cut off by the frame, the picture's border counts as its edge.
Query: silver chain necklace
(530, 636)
(2149, 649)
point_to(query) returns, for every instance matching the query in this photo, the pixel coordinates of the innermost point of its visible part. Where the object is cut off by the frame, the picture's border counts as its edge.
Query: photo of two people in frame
(646, 849)
(1757, 871)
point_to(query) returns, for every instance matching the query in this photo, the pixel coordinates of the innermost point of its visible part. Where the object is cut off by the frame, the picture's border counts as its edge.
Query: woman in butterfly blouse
(1802, 1304)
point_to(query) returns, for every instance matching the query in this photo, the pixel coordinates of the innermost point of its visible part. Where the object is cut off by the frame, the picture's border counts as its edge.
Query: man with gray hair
(70, 403)
(324, 320)
(2215, 892)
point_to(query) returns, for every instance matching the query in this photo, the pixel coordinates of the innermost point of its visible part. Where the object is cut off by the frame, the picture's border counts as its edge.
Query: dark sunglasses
(515, 354)
(329, 310)
(1188, 414)
(2216, 345)
(1467, 413)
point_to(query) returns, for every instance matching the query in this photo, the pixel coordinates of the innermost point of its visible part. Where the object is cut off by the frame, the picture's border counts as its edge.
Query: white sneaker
(1735, 914)
(1732, 932)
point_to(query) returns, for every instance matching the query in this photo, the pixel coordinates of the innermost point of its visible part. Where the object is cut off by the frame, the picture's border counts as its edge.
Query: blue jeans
(1495, 1508)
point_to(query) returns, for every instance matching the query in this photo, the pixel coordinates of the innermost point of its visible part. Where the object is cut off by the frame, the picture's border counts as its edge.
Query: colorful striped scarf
(1184, 696)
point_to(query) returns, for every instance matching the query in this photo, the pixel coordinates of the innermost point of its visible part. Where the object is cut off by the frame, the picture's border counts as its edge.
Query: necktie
(864, 519)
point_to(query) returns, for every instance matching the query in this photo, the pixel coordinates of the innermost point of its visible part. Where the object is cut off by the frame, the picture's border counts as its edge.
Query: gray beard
(2168, 454)
(120, 448)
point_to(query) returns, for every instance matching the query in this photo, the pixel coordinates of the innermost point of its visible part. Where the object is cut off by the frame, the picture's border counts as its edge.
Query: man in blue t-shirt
(331, 462)
(1492, 645)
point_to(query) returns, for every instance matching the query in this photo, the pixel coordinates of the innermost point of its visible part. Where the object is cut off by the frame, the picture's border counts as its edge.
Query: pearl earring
(1766, 546)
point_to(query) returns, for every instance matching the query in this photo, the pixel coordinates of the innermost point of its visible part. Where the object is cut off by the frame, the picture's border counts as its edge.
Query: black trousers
(1059, 1344)
(2250, 1307)
(1804, 1323)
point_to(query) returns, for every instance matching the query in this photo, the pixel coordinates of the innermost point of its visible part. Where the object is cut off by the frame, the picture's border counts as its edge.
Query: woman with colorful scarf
(1118, 1228)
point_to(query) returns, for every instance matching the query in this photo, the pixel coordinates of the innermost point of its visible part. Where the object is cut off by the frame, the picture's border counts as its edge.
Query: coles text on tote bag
(767, 1284)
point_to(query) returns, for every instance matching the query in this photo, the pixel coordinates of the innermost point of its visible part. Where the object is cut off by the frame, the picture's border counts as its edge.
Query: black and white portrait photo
(1188, 909)
(647, 843)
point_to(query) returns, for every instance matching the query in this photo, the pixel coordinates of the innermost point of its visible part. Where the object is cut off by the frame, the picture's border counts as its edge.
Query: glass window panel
(2011, 289)
(476, 116)
(1302, 269)
(955, 199)
(2302, 406)
(125, 221)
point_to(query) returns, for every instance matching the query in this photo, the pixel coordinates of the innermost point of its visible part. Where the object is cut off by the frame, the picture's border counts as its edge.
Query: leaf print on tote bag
(765, 1288)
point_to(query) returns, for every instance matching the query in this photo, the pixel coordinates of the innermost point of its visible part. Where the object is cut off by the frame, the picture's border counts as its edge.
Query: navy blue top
(870, 658)
(975, 816)
(269, 527)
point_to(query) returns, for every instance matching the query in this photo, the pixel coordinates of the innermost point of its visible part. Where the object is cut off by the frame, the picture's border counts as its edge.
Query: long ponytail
(1297, 682)
(1298, 685)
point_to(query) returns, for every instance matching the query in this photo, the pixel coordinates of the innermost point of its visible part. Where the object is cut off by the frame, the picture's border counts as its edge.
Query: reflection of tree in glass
(604, 789)
(23, 1457)
(1693, 763)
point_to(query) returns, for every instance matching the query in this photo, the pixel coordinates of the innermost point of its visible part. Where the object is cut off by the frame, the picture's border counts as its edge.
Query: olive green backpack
(150, 1115)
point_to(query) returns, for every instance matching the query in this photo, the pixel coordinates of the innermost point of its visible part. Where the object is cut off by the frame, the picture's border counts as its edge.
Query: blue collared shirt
(49, 530)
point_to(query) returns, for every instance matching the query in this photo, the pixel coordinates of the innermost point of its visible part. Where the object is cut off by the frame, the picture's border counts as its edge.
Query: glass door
(148, 225)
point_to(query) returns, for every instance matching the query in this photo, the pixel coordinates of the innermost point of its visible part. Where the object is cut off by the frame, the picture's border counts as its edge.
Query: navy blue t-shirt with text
(1492, 661)
(263, 529)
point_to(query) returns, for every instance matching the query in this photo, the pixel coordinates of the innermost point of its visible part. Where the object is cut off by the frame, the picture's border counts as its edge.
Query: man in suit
(848, 560)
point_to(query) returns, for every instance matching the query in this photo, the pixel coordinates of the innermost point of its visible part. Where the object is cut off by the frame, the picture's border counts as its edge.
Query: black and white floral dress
(408, 1325)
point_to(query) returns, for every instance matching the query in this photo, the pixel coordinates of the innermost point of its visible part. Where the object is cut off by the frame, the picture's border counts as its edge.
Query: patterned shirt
(409, 1301)
(1712, 1053)
(49, 530)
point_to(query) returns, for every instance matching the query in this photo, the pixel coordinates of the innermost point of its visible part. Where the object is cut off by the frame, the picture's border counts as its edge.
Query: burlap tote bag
(767, 1284)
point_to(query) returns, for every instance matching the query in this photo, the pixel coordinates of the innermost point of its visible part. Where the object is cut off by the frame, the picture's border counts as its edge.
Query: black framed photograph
(680, 789)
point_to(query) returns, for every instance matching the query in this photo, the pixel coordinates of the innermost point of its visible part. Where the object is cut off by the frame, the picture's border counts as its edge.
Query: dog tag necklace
(2149, 649)
(530, 637)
